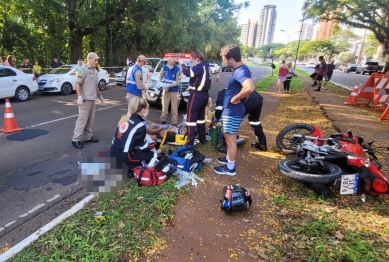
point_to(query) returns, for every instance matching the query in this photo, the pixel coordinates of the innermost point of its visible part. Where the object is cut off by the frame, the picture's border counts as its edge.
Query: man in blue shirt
(134, 84)
(240, 86)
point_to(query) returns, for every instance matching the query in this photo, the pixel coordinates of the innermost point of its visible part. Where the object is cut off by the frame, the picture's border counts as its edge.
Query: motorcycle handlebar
(331, 157)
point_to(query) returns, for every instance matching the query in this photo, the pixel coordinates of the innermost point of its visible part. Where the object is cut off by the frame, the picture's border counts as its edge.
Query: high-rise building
(306, 34)
(325, 30)
(266, 25)
(248, 33)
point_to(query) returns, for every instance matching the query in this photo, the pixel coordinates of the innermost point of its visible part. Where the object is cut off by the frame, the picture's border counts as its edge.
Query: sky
(288, 16)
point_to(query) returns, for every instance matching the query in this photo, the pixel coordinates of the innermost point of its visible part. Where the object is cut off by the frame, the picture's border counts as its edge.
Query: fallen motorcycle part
(315, 173)
(287, 142)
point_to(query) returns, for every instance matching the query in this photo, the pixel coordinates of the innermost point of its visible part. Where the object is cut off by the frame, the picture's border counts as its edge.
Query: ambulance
(154, 92)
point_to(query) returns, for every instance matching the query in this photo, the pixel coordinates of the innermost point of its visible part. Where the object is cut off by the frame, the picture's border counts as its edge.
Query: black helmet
(235, 198)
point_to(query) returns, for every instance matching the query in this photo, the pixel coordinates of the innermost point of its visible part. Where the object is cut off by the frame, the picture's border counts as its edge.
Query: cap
(93, 55)
(171, 62)
(141, 58)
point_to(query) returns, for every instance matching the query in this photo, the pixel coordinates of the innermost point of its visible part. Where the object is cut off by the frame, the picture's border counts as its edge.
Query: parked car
(350, 68)
(369, 67)
(214, 68)
(16, 84)
(154, 92)
(310, 65)
(147, 70)
(63, 79)
(225, 68)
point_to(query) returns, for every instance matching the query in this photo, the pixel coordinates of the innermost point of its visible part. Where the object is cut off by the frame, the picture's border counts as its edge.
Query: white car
(310, 65)
(63, 79)
(146, 71)
(154, 93)
(15, 83)
(214, 68)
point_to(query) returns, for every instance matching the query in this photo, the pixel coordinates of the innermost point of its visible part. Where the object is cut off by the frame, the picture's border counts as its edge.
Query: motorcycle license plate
(349, 184)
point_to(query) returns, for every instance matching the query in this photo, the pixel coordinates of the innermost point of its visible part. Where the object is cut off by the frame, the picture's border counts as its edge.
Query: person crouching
(130, 145)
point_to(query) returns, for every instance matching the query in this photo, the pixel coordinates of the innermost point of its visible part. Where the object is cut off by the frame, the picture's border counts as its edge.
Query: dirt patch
(201, 231)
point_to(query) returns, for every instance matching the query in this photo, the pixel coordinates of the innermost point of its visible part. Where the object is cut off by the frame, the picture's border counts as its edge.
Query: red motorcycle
(338, 160)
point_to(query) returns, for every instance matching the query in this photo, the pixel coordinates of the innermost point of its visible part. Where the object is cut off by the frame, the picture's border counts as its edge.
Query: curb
(34, 236)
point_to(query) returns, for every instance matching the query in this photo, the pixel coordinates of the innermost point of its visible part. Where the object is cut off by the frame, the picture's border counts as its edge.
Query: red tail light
(33, 78)
(379, 185)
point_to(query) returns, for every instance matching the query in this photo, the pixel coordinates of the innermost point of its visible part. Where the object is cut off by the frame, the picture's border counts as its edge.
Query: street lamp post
(282, 30)
(298, 44)
(45, 27)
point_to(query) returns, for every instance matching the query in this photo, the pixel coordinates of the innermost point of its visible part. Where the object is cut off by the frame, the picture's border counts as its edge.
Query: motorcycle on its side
(338, 161)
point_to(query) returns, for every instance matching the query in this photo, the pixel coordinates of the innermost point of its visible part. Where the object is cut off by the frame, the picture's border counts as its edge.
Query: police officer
(170, 76)
(199, 84)
(134, 84)
(87, 92)
(253, 108)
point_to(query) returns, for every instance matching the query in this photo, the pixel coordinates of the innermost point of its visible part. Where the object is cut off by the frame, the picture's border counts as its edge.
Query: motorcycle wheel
(285, 140)
(293, 168)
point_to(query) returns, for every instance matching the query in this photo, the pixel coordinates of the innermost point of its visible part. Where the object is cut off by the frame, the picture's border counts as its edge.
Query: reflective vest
(131, 82)
(169, 76)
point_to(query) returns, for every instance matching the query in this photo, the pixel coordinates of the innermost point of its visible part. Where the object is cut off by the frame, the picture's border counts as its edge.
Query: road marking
(53, 198)
(36, 208)
(10, 223)
(24, 215)
(2, 229)
(34, 236)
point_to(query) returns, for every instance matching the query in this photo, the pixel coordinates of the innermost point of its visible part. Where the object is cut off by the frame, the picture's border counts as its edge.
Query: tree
(371, 44)
(372, 15)
(318, 47)
(346, 57)
(342, 39)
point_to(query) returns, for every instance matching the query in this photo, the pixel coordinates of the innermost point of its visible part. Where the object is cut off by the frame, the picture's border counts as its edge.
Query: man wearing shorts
(321, 73)
(240, 86)
(330, 68)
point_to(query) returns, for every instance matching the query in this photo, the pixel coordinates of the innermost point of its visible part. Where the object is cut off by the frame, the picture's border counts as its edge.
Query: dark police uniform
(199, 84)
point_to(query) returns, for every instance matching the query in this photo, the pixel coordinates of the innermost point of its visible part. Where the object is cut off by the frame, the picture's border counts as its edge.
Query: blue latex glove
(165, 127)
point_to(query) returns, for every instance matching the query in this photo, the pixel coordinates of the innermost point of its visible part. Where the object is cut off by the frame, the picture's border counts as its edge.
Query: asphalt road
(39, 166)
(346, 80)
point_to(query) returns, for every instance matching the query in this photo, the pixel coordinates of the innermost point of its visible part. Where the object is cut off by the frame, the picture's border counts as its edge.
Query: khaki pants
(167, 98)
(133, 102)
(85, 120)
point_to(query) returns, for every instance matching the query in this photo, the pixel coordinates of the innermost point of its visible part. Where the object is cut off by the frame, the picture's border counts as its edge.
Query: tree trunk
(76, 48)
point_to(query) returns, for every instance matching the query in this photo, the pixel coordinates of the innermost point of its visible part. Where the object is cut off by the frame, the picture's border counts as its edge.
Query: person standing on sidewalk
(26, 67)
(321, 73)
(134, 85)
(170, 76)
(37, 69)
(87, 92)
(328, 77)
(288, 77)
(240, 86)
(199, 84)
(282, 72)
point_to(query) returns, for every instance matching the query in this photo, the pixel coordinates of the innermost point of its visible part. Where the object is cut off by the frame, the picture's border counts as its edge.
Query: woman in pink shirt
(282, 72)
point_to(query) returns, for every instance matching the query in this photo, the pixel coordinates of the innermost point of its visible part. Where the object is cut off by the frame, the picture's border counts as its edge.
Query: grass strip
(132, 218)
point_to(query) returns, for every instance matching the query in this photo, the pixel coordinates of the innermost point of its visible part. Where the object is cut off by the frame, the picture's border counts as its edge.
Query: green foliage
(346, 57)
(372, 15)
(342, 39)
(115, 28)
(318, 47)
(371, 44)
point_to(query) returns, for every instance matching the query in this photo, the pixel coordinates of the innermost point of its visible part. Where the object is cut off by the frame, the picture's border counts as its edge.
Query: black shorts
(319, 78)
(313, 75)
(328, 77)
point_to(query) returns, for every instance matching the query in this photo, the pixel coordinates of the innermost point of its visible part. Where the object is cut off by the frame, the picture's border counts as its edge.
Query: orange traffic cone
(218, 78)
(9, 119)
(353, 96)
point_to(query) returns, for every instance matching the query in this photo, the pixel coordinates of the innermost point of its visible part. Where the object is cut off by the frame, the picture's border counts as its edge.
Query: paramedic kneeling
(130, 145)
